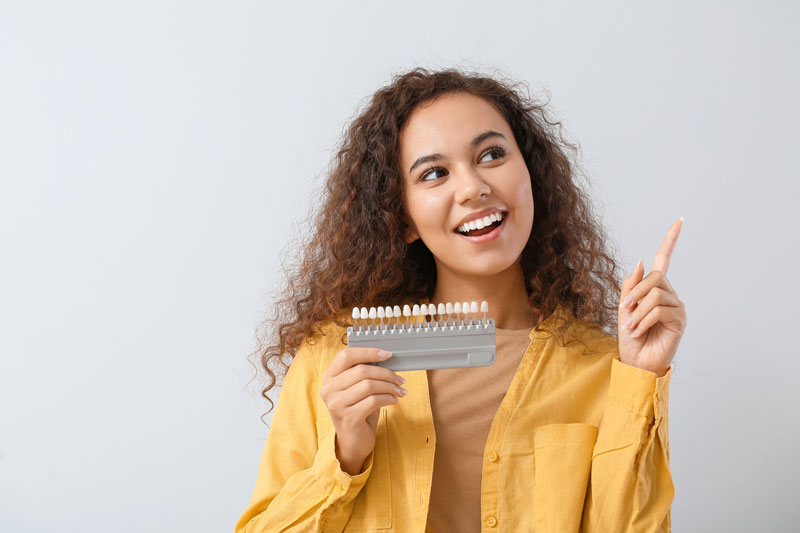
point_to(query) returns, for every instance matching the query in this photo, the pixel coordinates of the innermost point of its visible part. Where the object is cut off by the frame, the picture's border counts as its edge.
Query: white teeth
(480, 223)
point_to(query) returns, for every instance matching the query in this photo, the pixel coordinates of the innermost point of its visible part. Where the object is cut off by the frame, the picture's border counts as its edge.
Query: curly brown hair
(356, 255)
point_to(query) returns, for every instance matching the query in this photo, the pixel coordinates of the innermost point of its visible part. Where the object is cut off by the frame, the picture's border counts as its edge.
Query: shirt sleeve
(300, 484)
(630, 486)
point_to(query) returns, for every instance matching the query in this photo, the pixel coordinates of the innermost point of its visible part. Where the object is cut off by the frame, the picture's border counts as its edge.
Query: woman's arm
(300, 482)
(630, 485)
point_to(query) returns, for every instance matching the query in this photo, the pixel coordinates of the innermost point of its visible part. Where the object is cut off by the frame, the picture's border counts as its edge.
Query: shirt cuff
(639, 390)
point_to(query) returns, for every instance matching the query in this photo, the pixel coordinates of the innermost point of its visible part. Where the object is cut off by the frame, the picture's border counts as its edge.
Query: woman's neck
(505, 292)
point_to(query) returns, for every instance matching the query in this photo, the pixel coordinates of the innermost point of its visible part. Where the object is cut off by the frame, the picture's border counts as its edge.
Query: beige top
(464, 402)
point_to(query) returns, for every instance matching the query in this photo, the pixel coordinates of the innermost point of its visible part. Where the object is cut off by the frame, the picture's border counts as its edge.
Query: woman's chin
(479, 267)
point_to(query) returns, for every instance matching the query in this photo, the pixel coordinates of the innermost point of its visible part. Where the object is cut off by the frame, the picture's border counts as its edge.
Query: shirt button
(492, 456)
(491, 521)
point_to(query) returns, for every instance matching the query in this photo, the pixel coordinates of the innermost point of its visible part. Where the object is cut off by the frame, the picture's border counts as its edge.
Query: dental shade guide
(421, 344)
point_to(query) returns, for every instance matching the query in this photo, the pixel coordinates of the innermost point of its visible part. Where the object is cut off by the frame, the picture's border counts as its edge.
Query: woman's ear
(411, 235)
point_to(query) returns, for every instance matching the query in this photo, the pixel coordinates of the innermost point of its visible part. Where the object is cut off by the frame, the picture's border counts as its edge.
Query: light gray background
(157, 156)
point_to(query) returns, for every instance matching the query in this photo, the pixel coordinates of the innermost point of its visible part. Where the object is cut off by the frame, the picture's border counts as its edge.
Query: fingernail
(401, 379)
(401, 392)
(629, 322)
(627, 301)
(383, 354)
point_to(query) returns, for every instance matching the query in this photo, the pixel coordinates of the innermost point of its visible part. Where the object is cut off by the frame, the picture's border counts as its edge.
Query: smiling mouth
(484, 230)
(485, 235)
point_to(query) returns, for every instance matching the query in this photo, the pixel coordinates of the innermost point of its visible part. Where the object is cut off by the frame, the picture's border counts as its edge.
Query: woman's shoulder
(593, 337)
(582, 352)
(328, 339)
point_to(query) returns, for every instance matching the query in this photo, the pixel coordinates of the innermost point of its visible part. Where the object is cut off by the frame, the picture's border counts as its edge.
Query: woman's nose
(470, 186)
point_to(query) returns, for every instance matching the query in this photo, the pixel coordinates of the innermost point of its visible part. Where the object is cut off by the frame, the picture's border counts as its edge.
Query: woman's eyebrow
(475, 142)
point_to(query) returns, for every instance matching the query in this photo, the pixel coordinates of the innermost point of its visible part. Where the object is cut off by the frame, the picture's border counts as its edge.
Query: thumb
(372, 419)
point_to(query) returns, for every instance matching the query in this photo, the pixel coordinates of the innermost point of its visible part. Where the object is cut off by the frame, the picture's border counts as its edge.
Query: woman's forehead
(447, 126)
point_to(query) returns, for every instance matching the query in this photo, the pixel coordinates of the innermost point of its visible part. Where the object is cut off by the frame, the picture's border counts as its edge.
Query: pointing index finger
(664, 254)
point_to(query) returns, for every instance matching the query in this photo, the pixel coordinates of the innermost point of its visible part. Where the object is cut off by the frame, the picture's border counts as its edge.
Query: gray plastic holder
(430, 347)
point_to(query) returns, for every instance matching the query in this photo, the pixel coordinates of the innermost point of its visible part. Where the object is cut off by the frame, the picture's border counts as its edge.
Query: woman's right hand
(354, 393)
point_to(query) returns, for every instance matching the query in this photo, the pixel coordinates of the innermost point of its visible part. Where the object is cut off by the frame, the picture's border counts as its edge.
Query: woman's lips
(492, 235)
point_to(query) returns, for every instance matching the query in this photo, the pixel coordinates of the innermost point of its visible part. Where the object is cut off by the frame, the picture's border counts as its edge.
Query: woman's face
(466, 179)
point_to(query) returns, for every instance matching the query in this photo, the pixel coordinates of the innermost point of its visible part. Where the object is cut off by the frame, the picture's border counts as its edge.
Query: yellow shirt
(579, 443)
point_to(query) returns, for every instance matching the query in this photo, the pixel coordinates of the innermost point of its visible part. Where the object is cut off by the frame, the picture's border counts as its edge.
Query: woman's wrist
(350, 465)
(352, 469)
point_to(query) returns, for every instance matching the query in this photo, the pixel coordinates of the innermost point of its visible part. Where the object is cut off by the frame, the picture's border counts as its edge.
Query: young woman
(566, 431)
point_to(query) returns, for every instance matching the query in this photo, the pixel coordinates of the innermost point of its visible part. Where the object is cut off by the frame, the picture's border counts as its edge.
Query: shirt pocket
(563, 461)
(373, 505)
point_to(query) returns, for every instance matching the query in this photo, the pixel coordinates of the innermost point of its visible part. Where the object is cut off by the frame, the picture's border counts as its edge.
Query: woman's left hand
(651, 317)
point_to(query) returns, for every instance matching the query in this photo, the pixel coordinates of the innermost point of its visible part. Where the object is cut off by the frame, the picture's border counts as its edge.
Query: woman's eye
(495, 150)
(431, 171)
